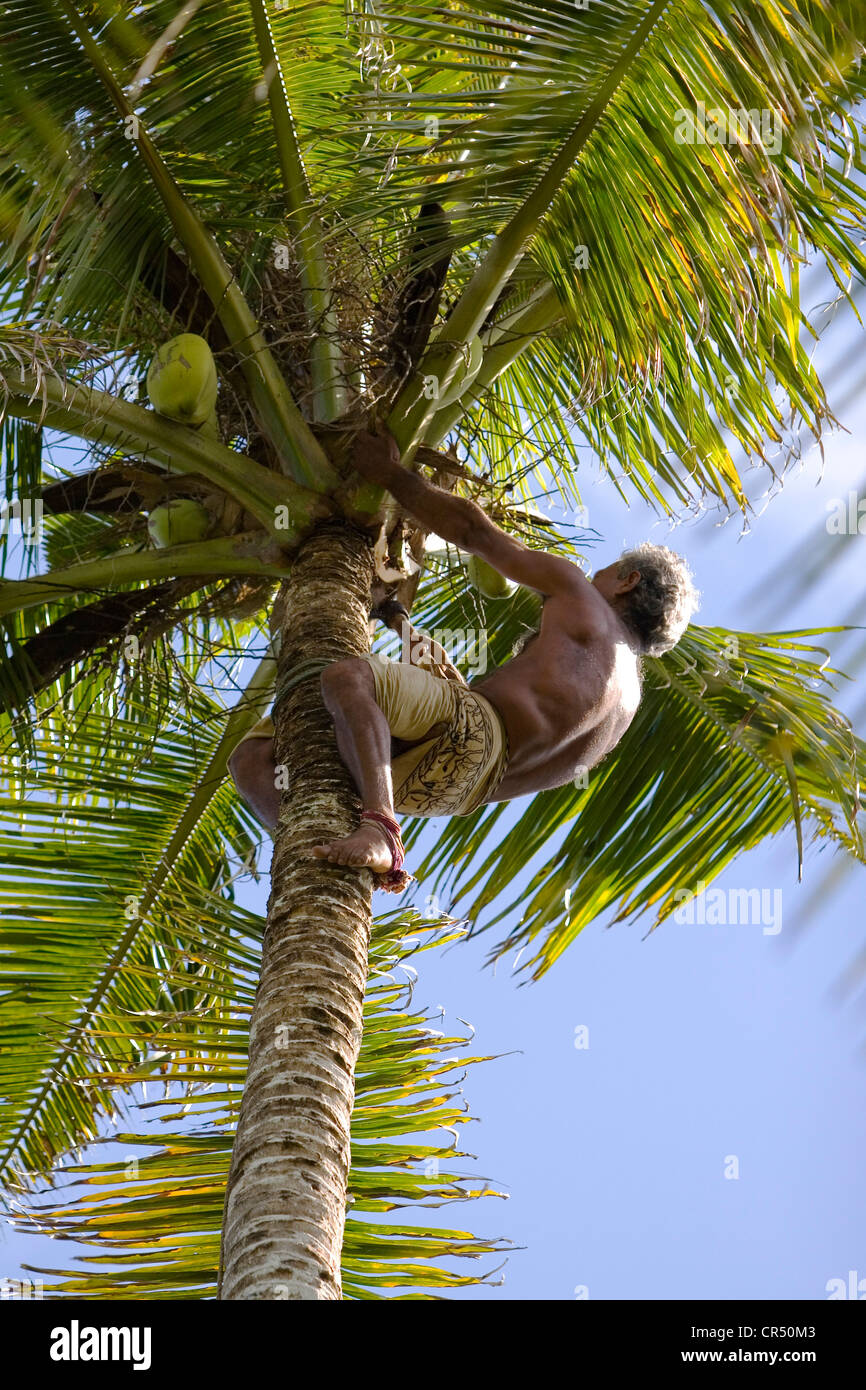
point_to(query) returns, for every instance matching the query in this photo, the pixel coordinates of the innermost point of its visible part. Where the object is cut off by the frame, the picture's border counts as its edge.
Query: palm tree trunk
(286, 1200)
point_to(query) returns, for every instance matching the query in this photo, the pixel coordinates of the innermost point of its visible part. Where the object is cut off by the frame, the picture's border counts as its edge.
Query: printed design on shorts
(454, 763)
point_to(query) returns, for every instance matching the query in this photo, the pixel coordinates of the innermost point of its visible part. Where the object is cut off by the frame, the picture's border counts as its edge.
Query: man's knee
(346, 679)
(251, 758)
(252, 769)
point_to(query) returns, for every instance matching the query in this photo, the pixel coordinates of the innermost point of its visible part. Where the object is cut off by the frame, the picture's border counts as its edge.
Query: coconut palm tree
(506, 235)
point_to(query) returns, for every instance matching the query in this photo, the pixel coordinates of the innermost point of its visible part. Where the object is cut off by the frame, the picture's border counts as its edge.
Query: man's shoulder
(592, 622)
(608, 649)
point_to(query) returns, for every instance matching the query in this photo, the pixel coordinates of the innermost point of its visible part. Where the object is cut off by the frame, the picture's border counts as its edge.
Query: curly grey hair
(658, 609)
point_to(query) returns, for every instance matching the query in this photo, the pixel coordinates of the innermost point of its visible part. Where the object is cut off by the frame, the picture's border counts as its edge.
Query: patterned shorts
(462, 749)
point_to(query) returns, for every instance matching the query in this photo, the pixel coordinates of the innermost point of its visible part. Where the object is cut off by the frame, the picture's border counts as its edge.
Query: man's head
(651, 589)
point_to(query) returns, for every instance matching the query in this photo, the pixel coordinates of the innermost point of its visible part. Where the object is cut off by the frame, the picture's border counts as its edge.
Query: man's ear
(630, 582)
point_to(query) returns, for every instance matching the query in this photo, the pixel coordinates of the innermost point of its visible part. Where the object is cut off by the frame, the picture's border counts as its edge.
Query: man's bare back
(566, 701)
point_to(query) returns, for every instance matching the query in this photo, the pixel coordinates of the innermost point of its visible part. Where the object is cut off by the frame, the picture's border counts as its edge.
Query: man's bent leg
(364, 743)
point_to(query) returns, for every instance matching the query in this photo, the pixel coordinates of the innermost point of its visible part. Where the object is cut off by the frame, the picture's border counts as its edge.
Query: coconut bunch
(402, 334)
(182, 385)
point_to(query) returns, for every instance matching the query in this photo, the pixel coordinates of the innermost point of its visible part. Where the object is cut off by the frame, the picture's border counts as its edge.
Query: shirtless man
(445, 747)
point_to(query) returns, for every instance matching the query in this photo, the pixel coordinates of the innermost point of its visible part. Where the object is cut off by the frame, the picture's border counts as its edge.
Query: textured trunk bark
(286, 1201)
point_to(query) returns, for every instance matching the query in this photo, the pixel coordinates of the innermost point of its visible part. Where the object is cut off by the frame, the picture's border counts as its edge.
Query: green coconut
(182, 380)
(469, 363)
(180, 521)
(488, 581)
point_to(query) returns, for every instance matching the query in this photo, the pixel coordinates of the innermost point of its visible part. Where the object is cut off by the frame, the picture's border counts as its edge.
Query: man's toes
(353, 855)
(329, 852)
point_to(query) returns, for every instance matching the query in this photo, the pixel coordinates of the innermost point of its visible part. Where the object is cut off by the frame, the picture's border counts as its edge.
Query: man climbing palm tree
(417, 739)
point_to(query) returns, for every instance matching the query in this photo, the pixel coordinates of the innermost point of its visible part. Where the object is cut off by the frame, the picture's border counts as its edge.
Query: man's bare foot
(367, 847)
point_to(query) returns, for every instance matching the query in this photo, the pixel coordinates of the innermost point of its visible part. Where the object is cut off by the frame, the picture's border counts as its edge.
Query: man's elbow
(473, 527)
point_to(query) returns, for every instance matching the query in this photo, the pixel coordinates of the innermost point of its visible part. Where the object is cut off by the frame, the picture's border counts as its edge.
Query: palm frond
(153, 1215)
(108, 826)
(736, 740)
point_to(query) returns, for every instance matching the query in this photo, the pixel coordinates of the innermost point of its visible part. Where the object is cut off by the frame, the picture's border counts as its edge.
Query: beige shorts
(463, 749)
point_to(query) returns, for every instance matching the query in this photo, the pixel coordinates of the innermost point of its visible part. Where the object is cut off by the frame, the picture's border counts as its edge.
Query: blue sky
(707, 1044)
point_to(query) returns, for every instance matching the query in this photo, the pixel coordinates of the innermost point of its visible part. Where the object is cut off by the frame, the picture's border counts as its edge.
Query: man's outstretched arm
(466, 525)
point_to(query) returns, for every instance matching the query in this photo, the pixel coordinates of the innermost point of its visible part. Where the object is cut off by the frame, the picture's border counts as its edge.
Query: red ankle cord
(396, 874)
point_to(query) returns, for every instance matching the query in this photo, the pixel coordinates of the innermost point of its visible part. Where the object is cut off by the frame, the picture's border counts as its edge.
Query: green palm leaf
(114, 809)
(680, 268)
(736, 740)
(253, 175)
(154, 1217)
